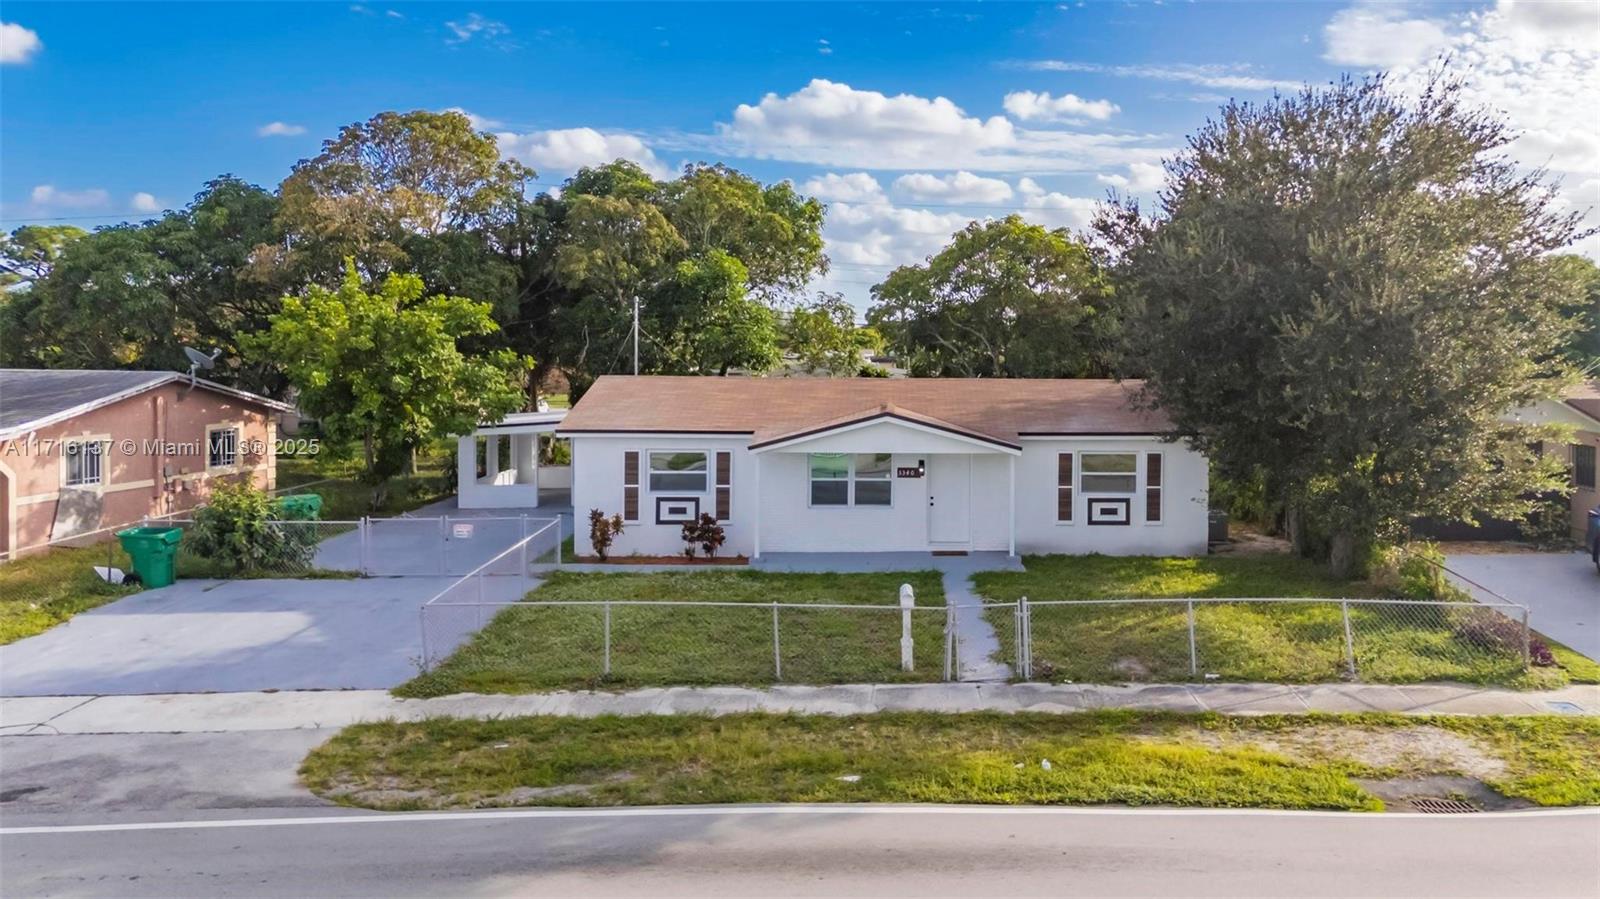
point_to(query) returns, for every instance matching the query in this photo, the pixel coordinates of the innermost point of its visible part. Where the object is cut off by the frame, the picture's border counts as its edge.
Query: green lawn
(528, 647)
(1286, 642)
(1133, 758)
(40, 590)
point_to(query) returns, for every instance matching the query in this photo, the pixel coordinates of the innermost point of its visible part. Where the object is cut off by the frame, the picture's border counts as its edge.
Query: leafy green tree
(28, 253)
(824, 338)
(773, 230)
(384, 369)
(1004, 299)
(1346, 290)
(394, 176)
(1584, 346)
(703, 322)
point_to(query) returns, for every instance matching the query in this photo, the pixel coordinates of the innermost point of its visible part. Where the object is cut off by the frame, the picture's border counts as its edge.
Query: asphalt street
(864, 850)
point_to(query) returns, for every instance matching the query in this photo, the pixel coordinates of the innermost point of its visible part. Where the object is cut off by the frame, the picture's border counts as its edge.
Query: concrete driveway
(1561, 590)
(229, 636)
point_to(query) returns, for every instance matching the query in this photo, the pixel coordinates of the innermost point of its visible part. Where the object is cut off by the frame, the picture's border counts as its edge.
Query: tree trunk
(1342, 555)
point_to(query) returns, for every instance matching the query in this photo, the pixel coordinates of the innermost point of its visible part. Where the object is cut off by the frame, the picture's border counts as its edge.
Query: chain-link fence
(1273, 640)
(472, 640)
(444, 545)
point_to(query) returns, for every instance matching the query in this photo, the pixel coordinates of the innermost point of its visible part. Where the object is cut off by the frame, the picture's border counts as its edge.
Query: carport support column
(1011, 474)
(466, 460)
(755, 516)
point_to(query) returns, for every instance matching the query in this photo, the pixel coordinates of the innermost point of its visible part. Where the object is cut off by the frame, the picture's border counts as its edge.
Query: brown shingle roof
(1003, 409)
(1585, 398)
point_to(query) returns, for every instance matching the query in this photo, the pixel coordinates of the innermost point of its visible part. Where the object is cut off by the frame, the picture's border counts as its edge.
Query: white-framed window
(677, 471)
(83, 463)
(851, 479)
(222, 447)
(1108, 473)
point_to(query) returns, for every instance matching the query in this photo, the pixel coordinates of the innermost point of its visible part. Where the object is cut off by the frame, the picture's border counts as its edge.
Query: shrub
(603, 531)
(1548, 525)
(1415, 571)
(236, 529)
(705, 533)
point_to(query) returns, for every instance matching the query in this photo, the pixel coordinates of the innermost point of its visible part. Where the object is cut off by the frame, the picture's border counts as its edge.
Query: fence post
(949, 636)
(444, 544)
(560, 541)
(1194, 655)
(777, 648)
(605, 665)
(1027, 639)
(523, 554)
(1349, 641)
(366, 533)
(908, 601)
(1527, 640)
(422, 615)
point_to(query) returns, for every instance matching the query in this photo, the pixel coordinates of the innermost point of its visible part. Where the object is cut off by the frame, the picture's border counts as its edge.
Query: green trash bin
(300, 507)
(154, 552)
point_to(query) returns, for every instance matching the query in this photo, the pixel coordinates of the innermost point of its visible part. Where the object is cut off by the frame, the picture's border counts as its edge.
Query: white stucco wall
(1182, 531)
(788, 523)
(597, 468)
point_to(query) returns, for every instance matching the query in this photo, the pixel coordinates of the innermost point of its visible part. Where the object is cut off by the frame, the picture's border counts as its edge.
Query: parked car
(1593, 539)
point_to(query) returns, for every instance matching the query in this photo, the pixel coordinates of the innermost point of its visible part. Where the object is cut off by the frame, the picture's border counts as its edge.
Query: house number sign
(914, 471)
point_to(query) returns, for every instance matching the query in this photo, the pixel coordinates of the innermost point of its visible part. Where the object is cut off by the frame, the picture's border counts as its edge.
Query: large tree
(823, 338)
(1004, 299)
(28, 253)
(1347, 289)
(385, 370)
(392, 178)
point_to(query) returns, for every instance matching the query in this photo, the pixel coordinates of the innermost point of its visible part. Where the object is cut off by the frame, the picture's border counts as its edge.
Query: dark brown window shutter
(1152, 487)
(1064, 487)
(630, 486)
(724, 486)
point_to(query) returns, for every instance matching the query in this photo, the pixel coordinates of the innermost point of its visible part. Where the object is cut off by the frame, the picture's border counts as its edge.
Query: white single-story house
(874, 465)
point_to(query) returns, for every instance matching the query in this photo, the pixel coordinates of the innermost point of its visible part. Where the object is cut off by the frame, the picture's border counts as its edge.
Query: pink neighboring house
(85, 450)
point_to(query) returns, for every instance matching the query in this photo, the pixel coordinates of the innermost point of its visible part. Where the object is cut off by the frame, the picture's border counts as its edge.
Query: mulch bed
(666, 560)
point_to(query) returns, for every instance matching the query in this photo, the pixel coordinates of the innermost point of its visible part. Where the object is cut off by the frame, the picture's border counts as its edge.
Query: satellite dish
(199, 360)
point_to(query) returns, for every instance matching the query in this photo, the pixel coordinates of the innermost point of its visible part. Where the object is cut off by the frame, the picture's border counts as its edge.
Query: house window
(844, 479)
(1109, 473)
(678, 472)
(1583, 466)
(222, 447)
(83, 463)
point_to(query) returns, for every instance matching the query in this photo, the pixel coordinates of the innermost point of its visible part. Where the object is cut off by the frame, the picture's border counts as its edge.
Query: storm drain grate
(1433, 806)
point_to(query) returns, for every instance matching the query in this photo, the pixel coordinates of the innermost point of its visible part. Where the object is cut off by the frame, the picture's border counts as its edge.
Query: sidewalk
(235, 712)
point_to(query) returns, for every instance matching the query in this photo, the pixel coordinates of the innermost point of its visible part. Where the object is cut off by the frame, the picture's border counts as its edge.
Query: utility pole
(636, 334)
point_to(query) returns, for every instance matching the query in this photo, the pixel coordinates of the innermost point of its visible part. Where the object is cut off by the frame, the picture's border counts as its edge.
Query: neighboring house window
(1109, 473)
(222, 448)
(83, 463)
(677, 472)
(1583, 466)
(844, 479)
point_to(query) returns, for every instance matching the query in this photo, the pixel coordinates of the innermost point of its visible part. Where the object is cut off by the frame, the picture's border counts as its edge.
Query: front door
(949, 496)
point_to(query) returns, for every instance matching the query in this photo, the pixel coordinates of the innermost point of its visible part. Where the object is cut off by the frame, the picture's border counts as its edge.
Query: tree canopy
(1347, 289)
(1005, 299)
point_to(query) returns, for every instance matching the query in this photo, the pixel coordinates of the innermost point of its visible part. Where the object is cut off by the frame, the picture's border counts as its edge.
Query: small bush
(1549, 525)
(1414, 571)
(236, 530)
(705, 533)
(603, 532)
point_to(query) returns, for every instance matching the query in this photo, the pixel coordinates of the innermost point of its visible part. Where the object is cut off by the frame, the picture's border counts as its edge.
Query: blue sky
(909, 119)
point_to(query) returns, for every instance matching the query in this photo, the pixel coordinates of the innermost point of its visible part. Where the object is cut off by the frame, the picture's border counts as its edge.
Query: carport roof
(1000, 410)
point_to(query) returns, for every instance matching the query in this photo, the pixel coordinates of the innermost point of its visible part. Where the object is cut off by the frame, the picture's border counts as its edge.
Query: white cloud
(280, 129)
(961, 187)
(1537, 65)
(478, 122)
(856, 187)
(823, 48)
(1028, 106)
(831, 124)
(1379, 36)
(144, 202)
(1231, 77)
(476, 26)
(46, 195)
(1142, 178)
(1053, 209)
(566, 150)
(18, 44)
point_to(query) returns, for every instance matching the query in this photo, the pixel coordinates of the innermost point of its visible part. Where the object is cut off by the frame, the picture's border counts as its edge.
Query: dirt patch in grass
(1404, 748)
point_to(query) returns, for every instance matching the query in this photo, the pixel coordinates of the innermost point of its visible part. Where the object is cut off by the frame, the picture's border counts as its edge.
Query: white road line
(752, 810)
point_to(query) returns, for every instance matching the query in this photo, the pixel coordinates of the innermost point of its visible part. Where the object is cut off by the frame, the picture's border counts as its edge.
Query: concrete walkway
(237, 712)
